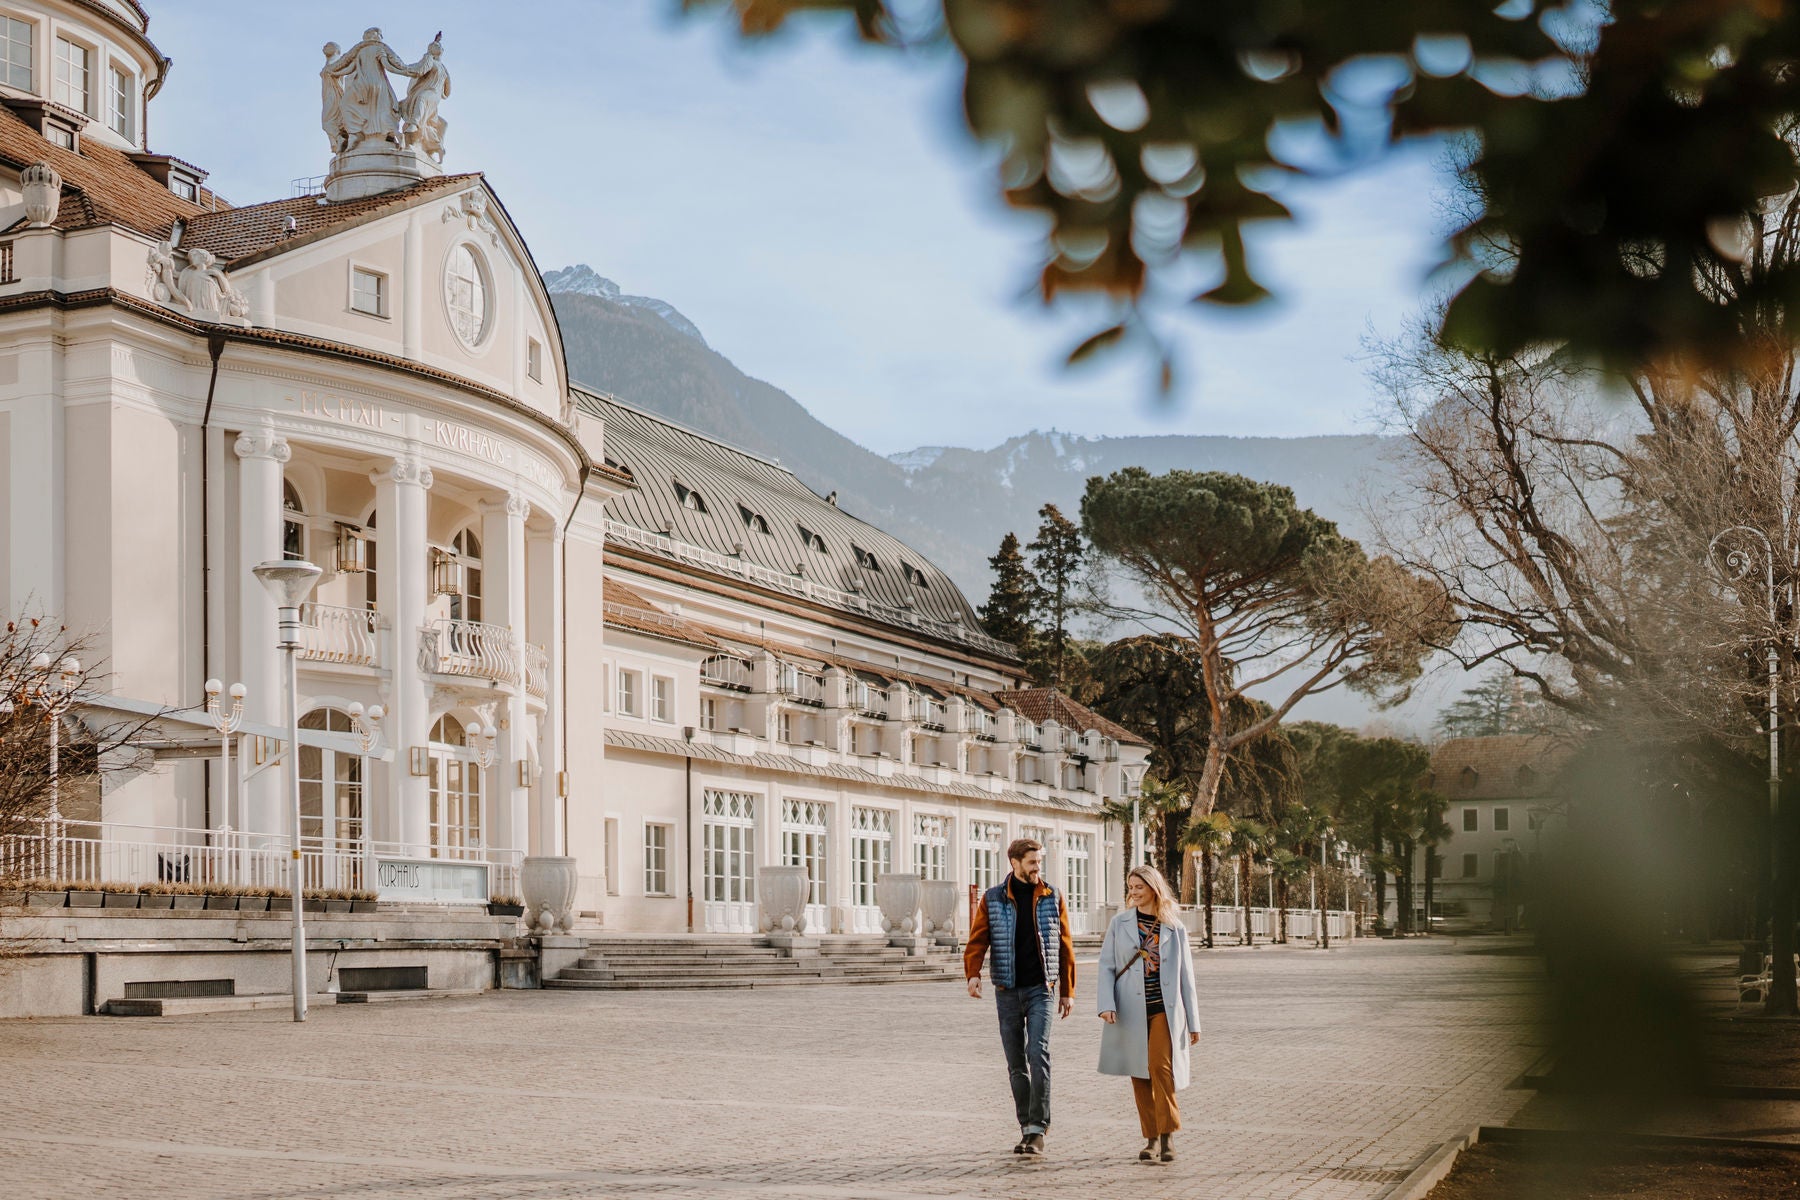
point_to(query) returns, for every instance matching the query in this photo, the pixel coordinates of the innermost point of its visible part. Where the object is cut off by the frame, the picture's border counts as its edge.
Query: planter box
(312, 906)
(188, 902)
(228, 903)
(253, 904)
(87, 899)
(362, 906)
(337, 906)
(120, 900)
(281, 904)
(11, 898)
(47, 899)
(156, 900)
(506, 910)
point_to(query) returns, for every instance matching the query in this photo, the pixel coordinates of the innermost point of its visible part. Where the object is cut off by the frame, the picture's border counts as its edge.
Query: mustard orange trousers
(1158, 1110)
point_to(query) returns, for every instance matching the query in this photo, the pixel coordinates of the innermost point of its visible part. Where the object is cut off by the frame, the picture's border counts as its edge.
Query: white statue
(200, 287)
(368, 108)
(160, 278)
(203, 285)
(331, 97)
(419, 121)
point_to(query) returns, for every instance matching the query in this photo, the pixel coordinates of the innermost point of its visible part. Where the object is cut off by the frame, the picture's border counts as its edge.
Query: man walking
(1025, 922)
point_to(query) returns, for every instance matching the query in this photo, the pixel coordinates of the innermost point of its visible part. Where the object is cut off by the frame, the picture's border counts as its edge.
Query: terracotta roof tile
(625, 609)
(1046, 704)
(1512, 766)
(100, 185)
(253, 229)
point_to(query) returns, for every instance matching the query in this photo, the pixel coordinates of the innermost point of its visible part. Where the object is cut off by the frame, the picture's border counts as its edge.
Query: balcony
(928, 711)
(726, 671)
(537, 670)
(802, 686)
(983, 724)
(346, 636)
(868, 699)
(476, 650)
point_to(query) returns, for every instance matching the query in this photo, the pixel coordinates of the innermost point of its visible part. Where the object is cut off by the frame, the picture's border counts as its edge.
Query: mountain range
(953, 504)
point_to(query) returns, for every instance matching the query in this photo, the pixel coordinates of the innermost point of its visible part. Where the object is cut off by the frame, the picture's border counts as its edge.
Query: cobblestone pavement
(1319, 1075)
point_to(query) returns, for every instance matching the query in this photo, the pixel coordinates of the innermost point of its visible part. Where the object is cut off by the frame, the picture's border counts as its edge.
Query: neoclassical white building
(692, 664)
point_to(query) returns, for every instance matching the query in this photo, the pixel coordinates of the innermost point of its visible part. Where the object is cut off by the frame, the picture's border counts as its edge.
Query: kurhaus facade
(689, 664)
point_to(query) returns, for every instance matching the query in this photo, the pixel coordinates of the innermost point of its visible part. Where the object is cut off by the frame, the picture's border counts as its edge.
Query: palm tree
(1210, 837)
(1432, 830)
(1250, 840)
(1288, 868)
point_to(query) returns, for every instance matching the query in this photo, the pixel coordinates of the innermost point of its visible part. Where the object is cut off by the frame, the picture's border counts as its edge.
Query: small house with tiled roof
(1504, 798)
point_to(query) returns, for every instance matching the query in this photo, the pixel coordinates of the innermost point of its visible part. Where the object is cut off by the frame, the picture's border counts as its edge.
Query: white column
(400, 516)
(503, 600)
(544, 597)
(262, 455)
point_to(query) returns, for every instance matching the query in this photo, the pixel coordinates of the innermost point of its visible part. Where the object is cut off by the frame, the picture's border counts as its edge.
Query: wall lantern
(352, 550)
(417, 762)
(446, 573)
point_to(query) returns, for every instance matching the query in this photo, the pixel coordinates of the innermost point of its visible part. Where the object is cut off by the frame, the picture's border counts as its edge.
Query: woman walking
(1146, 998)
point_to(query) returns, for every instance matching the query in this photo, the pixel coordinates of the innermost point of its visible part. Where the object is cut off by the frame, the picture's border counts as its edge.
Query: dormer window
(1470, 776)
(15, 53)
(690, 499)
(753, 520)
(182, 178)
(72, 83)
(121, 103)
(812, 541)
(913, 575)
(865, 560)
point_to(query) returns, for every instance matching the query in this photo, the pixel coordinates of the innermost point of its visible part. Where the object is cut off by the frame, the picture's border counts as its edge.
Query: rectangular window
(1502, 820)
(60, 135)
(871, 852)
(786, 722)
(534, 359)
(931, 845)
(709, 713)
(6, 262)
(728, 849)
(368, 292)
(1077, 855)
(628, 693)
(71, 79)
(805, 836)
(1471, 866)
(185, 188)
(987, 850)
(15, 54)
(121, 102)
(1437, 866)
(662, 699)
(656, 860)
(1471, 820)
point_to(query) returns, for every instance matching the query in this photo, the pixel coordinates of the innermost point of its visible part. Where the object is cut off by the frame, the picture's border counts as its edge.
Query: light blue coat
(1125, 1044)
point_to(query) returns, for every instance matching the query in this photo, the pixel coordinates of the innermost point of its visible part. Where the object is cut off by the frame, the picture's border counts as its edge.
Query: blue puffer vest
(1001, 914)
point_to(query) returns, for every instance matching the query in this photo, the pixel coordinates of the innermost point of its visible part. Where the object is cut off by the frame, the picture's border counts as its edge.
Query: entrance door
(871, 857)
(728, 860)
(455, 786)
(331, 807)
(805, 834)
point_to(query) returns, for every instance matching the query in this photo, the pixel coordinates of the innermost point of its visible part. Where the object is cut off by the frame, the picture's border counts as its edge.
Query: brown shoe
(1034, 1143)
(1168, 1151)
(1148, 1153)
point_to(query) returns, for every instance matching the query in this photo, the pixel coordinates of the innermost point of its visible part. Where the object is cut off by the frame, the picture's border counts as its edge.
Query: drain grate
(1366, 1174)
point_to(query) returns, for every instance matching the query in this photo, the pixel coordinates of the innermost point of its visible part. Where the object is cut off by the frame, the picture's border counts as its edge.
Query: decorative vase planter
(781, 899)
(86, 899)
(941, 898)
(156, 900)
(119, 900)
(226, 903)
(337, 906)
(549, 886)
(188, 902)
(505, 910)
(42, 188)
(898, 898)
(47, 899)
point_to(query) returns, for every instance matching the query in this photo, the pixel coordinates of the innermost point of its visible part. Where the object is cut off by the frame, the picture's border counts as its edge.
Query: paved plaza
(1318, 1075)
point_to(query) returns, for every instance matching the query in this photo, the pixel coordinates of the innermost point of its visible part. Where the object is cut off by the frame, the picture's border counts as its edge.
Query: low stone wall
(67, 962)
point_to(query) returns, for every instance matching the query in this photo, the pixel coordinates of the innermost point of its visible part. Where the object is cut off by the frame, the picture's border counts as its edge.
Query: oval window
(466, 295)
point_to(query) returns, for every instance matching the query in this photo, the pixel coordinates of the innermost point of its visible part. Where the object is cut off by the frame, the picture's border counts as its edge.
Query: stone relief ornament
(192, 281)
(43, 193)
(471, 209)
(358, 103)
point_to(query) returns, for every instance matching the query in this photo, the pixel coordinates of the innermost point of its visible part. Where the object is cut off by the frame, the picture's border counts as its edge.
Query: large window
(331, 798)
(121, 102)
(466, 546)
(931, 845)
(729, 853)
(15, 53)
(986, 853)
(1471, 819)
(454, 782)
(293, 523)
(72, 83)
(1502, 820)
(805, 834)
(656, 860)
(1077, 860)
(466, 295)
(871, 852)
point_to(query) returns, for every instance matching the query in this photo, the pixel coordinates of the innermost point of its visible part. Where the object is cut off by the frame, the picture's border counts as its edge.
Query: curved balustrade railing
(335, 634)
(537, 670)
(470, 648)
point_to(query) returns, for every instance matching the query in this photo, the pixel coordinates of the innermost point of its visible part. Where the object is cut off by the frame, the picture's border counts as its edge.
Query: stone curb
(1431, 1172)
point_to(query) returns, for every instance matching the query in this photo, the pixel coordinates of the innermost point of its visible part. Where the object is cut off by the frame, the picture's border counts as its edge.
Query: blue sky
(815, 207)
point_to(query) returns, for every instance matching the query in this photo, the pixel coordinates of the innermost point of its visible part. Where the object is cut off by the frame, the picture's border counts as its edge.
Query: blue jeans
(1025, 1034)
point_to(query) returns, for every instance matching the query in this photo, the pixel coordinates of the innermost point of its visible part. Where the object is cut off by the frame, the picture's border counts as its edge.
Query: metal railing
(537, 670)
(471, 648)
(925, 709)
(726, 670)
(866, 697)
(800, 685)
(980, 722)
(333, 633)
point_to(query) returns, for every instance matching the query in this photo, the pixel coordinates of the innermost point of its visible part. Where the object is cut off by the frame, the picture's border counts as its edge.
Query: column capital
(514, 504)
(262, 443)
(404, 470)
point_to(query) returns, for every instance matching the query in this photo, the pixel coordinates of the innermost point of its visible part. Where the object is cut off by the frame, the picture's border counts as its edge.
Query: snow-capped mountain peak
(583, 280)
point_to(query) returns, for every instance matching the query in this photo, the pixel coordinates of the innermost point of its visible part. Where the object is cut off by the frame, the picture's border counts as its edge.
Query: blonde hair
(1168, 909)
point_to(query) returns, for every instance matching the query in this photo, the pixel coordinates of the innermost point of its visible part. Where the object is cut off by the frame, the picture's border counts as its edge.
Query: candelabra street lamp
(289, 583)
(227, 721)
(365, 726)
(53, 696)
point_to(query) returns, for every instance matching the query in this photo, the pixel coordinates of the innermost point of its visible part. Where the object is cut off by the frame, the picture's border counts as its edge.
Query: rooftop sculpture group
(359, 104)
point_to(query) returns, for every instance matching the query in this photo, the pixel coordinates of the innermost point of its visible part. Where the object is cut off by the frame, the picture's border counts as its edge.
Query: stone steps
(633, 964)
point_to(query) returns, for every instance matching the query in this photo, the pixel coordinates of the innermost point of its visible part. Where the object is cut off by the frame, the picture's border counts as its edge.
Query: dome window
(689, 499)
(753, 520)
(866, 560)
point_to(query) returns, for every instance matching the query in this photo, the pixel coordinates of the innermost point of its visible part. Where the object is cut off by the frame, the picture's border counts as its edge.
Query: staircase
(705, 961)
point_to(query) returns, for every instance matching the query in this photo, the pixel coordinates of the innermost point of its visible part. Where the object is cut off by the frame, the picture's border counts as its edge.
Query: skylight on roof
(811, 540)
(689, 498)
(913, 575)
(865, 560)
(753, 520)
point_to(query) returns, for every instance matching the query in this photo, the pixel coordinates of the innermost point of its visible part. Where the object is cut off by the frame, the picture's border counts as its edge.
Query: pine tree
(1498, 704)
(1056, 559)
(1007, 613)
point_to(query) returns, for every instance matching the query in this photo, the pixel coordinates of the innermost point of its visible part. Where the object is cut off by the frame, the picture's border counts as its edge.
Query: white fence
(1265, 923)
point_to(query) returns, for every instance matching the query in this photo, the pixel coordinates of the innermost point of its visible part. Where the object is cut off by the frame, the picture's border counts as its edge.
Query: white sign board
(431, 881)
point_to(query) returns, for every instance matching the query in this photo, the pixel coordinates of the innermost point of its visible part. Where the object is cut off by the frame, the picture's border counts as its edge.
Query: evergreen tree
(1007, 613)
(1495, 705)
(1056, 559)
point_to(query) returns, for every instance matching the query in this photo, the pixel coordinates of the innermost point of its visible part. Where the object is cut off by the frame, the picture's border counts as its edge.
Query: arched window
(455, 780)
(331, 800)
(753, 520)
(690, 499)
(370, 561)
(293, 522)
(913, 575)
(466, 295)
(466, 546)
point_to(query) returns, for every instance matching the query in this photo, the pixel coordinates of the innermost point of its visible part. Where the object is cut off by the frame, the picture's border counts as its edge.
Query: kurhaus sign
(453, 436)
(431, 881)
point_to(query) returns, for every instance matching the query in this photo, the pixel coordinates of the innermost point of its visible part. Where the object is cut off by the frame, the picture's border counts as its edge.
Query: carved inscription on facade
(472, 442)
(347, 410)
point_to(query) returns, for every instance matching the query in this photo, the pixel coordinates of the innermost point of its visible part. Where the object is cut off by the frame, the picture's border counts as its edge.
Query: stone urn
(43, 193)
(898, 898)
(549, 887)
(781, 899)
(940, 900)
